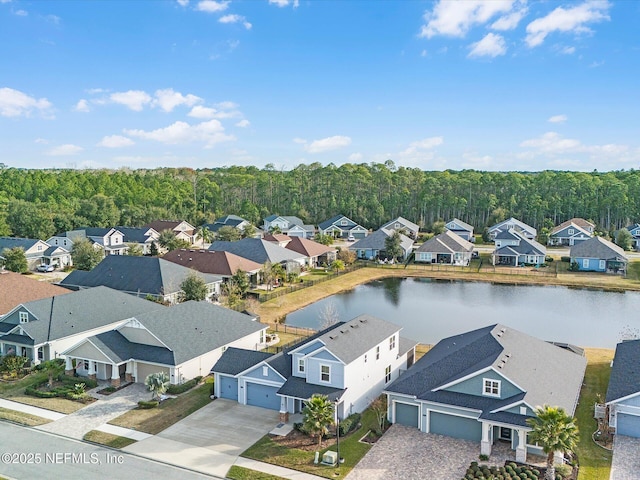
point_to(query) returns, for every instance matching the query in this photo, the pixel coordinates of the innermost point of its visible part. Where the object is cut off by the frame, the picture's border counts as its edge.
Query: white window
(325, 373)
(24, 317)
(491, 387)
(570, 231)
(603, 264)
(378, 352)
(40, 353)
(365, 358)
(265, 371)
(392, 342)
(523, 410)
(301, 365)
(387, 374)
(261, 336)
(39, 248)
(343, 222)
(585, 263)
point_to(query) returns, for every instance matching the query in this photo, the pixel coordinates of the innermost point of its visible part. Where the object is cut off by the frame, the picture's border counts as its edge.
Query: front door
(505, 433)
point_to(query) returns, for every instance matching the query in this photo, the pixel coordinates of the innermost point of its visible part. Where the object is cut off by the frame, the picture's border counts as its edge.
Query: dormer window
(24, 317)
(570, 231)
(523, 410)
(491, 387)
(344, 222)
(301, 365)
(265, 371)
(392, 342)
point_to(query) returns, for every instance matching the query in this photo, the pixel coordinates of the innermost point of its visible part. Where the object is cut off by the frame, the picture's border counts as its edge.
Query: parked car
(351, 238)
(475, 254)
(46, 268)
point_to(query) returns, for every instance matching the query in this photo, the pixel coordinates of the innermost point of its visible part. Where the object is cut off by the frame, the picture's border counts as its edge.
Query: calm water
(431, 310)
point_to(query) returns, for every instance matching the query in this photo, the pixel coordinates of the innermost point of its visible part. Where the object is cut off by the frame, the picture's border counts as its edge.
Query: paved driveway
(626, 458)
(211, 439)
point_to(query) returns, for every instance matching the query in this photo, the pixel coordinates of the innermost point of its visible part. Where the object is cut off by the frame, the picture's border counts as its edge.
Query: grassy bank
(108, 439)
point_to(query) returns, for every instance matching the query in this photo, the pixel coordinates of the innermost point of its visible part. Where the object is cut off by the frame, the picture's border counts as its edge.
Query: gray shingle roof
(510, 223)
(376, 241)
(192, 328)
(136, 275)
(327, 223)
(236, 360)
(525, 247)
(464, 225)
(446, 242)
(115, 346)
(413, 227)
(598, 247)
(134, 234)
(12, 242)
(258, 250)
(76, 312)
(298, 388)
(625, 372)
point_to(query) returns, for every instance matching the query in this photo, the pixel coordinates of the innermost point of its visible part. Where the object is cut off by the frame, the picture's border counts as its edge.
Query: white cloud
(421, 145)
(64, 150)
(133, 99)
(284, 3)
(492, 45)
(5, 1)
(211, 6)
(202, 112)
(553, 144)
(41, 141)
(227, 105)
(115, 141)
(183, 3)
(209, 133)
(558, 119)
(233, 18)
(329, 143)
(572, 20)
(300, 141)
(94, 91)
(475, 161)
(82, 106)
(21, 13)
(243, 123)
(456, 18)
(167, 99)
(509, 21)
(53, 19)
(355, 157)
(566, 50)
(14, 103)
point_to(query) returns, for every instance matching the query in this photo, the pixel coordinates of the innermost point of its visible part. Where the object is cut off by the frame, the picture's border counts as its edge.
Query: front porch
(115, 373)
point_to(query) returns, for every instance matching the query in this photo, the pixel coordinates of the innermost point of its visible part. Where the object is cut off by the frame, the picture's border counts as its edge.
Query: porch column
(128, 376)
(68, 366)
(92, 370)
(115, 375)
(284, 414)
(521, 449)
(485, 444)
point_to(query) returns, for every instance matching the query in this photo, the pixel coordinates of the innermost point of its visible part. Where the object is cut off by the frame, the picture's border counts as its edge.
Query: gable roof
(76, 312)
(119, 349)
(547, 373)
(465, 226)
(598, 247)
(633, 227)
(160, 225)
(514, 222)
(308, 248)
(236, 360)
(17, 289)
(580, 223)
(136, 275)
(525, 247)
(625, 371)
(257, 250)
(446, 242)
(413, 227)
(276, 237)
(376, 241)
(134, 234)
(333, 220)
(14, 242)
(213, 262)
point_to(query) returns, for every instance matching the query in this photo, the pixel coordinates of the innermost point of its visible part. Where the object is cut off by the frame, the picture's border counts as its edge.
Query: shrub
(146, 405)
(349, 423)
(483, 457)
(565, 259)
(71, 381)
(574, 267)
(34, 392)
(12, 363)
(548, 259)
(178, 389)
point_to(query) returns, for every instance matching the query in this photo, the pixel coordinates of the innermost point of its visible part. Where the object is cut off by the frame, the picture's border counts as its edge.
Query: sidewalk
(31, 410)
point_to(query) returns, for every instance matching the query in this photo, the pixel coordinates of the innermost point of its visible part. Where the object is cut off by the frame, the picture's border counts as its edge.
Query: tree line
(40, 203)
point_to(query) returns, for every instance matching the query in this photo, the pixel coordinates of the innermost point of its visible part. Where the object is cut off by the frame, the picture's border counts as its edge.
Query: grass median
(108, 439)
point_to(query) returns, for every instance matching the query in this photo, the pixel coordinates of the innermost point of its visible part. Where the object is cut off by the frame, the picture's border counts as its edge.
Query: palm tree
(157, 383)
(205, 234)
(554, 431)
(318, 416)
(337, 265)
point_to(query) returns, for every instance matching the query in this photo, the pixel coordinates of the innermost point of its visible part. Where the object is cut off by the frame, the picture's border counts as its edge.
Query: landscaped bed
(514, 471)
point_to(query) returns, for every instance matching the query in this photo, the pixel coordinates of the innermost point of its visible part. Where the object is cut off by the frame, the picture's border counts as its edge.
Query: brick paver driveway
(405, 453)
(626, 458)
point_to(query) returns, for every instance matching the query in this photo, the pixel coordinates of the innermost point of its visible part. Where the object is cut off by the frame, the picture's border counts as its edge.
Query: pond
(429, 310)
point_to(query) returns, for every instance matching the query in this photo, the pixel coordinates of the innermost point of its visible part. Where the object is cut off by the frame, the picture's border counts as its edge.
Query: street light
(337, 435)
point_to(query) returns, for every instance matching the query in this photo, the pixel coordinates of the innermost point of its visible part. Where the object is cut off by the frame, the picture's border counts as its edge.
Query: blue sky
(489, 85)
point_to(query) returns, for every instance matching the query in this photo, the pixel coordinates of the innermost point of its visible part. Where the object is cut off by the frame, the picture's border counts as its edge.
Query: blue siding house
(599, 255)
(483, 385)
(623, 393)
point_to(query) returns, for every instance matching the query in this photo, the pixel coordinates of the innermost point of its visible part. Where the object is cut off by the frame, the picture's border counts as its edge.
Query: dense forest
(39, 203)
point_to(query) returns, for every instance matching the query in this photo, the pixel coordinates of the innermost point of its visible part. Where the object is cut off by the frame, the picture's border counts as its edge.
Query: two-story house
(37, 252)
(483, 385)
(571, 232)
(513, 248)
(403, 225)
(350, 362)
(512, 224)
(461, 229)
(634, 230)
(227, 221)
(341, 226)
(142, 237)
(180, 228)
(289, 225)
(109, 240)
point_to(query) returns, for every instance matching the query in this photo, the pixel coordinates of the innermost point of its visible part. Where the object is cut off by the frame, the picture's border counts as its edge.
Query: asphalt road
(26, 454)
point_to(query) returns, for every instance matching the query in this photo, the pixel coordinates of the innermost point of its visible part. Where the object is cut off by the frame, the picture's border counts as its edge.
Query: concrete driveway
(626, 461)
(211, 439)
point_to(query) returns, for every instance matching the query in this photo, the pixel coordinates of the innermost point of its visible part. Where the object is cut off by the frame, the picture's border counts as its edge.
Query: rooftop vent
(501, 364)
(363, 320)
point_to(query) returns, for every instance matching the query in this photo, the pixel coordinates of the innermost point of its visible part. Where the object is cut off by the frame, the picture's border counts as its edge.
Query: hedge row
(177, 389)
(144, 405)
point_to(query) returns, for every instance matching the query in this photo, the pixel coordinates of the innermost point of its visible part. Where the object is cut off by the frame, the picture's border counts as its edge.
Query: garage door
(263, 396)
(144, 369)
(453, 426)
(229, 388)
(407, 414)
(628, 425)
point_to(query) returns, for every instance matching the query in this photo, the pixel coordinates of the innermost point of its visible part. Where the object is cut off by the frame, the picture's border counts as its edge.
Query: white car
(351, 238)
(46, 268)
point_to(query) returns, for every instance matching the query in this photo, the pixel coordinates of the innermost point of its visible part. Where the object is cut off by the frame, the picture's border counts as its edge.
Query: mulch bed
(299, 440)
(109, 390)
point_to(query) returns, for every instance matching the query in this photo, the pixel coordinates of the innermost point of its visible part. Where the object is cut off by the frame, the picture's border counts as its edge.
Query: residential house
(403, 225)
(571, 232)
(315, 253)
(461, 229)
(222, 264)
(37, 252)
(279, 239)
(140, 276)
(373, 246)
(180, 228)
(342, 227)
(260, 251)
(183, 341)
(634, 230)
(623, 393)
(227, 221)
(514, 249)
(446, 248)
(42, 329)
(483, 385)
(350, 362)
(599, 255)
(109, 240)
(143, 237)
(512, 224)
(16, 289)
(289, 225)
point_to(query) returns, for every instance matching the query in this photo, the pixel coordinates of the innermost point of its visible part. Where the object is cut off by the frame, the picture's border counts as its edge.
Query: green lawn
(595, 462)
(241, 473)
(108, 439)
(22, 418)
(266, 450)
